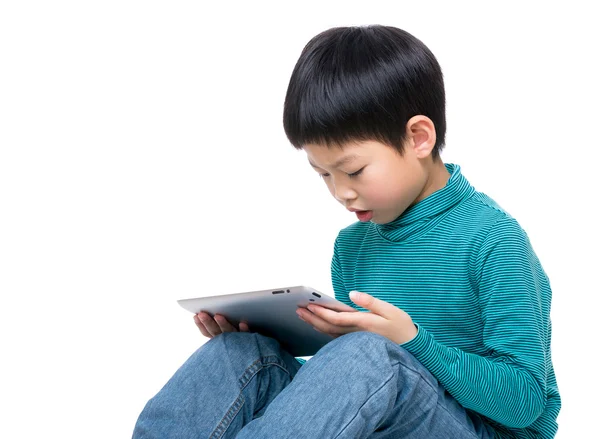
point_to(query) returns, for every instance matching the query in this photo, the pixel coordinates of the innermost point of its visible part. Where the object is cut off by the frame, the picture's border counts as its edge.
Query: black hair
(363, 83)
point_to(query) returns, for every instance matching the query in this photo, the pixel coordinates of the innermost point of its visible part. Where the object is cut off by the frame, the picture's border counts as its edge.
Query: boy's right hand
(211, 327)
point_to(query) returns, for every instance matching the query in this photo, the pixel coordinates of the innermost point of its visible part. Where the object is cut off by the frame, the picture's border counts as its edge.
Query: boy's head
(363, 83)
(375, 93)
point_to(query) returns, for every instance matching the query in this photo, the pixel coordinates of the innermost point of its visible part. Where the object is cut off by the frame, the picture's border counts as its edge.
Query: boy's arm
(508, 384)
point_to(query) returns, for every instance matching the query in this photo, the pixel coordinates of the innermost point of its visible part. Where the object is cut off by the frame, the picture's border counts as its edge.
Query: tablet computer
(272, 313)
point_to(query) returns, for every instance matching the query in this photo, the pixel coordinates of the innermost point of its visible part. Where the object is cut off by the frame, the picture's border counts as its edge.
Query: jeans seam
(426, 381)
(359, 409)
(422, 378)
(418, 372)
(456, 421)
(243, 381)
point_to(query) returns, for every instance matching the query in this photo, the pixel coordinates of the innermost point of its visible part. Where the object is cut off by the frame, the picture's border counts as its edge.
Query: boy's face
(372, 177)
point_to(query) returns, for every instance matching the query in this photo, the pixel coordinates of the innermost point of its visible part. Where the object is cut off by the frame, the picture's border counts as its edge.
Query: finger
(224, 324)
(244, 327)
(201, 327)
(321, 325)
(346, 319)
(327, 333)
(377, 306)
(209, 323)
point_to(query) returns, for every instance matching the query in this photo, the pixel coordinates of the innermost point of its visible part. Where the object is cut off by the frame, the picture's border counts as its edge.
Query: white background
(143, 160)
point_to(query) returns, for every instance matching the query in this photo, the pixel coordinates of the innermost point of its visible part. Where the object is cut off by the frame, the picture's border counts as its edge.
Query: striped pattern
(464, 270)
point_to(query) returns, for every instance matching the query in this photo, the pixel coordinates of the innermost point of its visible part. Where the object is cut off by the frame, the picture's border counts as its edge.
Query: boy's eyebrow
(340, 162)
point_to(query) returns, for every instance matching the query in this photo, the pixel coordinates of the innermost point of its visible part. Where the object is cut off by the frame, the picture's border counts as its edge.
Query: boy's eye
(356, 174)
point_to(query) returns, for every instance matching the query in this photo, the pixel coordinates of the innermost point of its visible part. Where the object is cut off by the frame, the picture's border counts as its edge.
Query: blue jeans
(360, 385)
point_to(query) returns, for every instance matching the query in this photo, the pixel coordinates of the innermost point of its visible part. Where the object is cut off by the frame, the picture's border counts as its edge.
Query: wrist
(412, 333)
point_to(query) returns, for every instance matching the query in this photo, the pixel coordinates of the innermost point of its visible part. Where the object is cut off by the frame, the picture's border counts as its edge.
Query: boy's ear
(420, 135)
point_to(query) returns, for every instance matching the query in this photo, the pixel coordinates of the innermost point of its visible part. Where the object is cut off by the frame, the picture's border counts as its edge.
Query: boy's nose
(344, 194)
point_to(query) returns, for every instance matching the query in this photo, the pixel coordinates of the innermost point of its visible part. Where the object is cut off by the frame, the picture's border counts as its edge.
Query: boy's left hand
(383, 319)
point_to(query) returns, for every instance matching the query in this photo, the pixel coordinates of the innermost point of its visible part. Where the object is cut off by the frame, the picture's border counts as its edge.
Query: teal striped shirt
(465, 271)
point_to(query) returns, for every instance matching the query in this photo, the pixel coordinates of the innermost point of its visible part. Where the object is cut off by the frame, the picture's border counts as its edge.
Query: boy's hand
(383, 319)
(210, 327)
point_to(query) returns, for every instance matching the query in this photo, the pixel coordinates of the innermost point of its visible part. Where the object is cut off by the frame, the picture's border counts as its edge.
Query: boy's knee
(223, 344)
(233, 340)
(359, 341)
(368, 347)
(240, 344)
(232, 337)
(371, 350)
(355, 346)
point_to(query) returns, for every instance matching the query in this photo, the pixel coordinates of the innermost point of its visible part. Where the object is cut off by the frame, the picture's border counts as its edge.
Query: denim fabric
(360, 385)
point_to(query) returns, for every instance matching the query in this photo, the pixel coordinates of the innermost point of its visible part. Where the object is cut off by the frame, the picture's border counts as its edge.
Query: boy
(454, 340)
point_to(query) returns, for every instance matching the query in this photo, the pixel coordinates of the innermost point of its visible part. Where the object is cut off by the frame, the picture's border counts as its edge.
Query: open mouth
(364, 215)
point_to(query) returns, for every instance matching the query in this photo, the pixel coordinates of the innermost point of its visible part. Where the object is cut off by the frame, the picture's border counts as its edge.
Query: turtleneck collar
(423, 216)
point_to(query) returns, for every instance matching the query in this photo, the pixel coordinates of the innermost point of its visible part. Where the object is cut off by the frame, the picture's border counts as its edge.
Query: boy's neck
(438, 178)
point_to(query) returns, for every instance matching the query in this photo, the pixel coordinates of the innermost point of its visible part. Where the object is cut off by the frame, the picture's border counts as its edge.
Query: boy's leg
(362, 385)
(222, 386)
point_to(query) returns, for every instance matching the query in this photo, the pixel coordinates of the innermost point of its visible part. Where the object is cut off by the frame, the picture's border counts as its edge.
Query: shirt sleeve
(507, 384)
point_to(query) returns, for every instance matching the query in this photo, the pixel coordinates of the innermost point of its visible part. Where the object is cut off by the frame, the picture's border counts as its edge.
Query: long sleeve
(508, 384)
